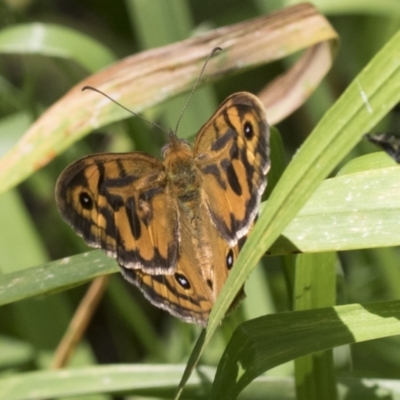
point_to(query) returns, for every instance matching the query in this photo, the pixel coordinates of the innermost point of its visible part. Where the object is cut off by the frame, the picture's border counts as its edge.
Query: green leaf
(352, 211)
(54, 276)
(315, 287)
(386, 8)
(55, 41)
(263, 343)
(146, 380)
(160, 380)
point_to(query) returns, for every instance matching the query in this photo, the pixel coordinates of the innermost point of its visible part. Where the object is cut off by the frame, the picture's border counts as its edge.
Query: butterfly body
(175, 226)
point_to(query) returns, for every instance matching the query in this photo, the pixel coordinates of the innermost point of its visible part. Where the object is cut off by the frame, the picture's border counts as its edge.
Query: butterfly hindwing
(190, 292)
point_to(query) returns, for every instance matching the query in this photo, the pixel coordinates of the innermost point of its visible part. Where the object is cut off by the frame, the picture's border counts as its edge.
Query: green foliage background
(126, 329)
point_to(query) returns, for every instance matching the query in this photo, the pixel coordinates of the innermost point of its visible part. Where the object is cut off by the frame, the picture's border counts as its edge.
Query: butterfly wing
(113, 200)
(173, 294)
(190, 292)
(232, 151)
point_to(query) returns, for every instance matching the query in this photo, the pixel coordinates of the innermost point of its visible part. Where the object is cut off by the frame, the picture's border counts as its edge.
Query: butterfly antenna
(125, 108)
(214, 50)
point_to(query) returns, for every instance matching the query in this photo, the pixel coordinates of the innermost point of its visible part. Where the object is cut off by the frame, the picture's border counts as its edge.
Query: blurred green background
(126, 328)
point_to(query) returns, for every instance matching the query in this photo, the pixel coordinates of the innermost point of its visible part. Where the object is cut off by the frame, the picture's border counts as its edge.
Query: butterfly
(175, 226)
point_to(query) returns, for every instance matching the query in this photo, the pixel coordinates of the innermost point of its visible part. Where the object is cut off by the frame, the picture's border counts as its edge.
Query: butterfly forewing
(119, 202)
(233, 155)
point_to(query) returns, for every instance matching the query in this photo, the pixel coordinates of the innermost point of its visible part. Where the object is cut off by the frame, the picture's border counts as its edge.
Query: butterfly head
(176, 146)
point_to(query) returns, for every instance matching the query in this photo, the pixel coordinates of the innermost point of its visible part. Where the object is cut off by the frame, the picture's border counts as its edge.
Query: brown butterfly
(175, 226)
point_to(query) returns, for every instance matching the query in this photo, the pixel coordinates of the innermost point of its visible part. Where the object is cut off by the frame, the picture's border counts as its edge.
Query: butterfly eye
(248, 130)
(229, 259)
(86, 201)
(181, 279)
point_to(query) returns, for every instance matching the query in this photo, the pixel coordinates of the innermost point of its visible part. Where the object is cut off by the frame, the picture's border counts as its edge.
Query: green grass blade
(55, 41)
(158, 381)
(152, 21)
(315, 287)
(386, 8)
(54, 276)
(266, 342)
(348, 212)
(146, 380)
